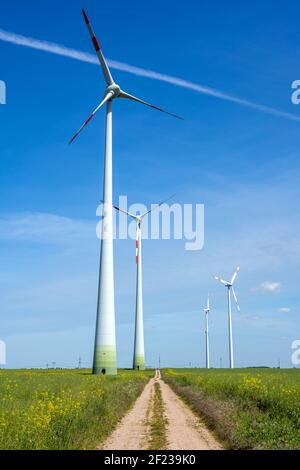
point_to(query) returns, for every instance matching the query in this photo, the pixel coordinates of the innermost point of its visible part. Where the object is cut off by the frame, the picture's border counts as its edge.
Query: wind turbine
(139, 351)
(105, 338)
(207, 311)
(229, 286)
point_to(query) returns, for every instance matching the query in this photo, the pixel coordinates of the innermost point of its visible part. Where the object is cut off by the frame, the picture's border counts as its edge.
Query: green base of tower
(139, 362)
(105, 360)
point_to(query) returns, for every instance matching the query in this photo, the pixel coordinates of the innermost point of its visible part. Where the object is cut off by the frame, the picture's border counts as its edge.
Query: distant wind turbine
(139, 350)
(105, 338)
(229, 286)
(207, 311)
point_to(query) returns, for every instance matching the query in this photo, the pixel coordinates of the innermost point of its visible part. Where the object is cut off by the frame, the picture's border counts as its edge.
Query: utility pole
(159, 362)
(47, 366)
(220, 363)
(79, 363)
(53, 365)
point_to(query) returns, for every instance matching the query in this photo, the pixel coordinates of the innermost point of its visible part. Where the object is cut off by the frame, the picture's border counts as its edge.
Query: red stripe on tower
(137, 259)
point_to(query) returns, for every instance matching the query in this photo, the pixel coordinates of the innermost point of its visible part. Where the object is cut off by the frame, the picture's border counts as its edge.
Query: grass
(247, 408)
(63, 409)
(157, 421)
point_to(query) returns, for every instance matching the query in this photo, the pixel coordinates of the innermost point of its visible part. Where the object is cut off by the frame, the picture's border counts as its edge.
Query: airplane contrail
(64, 51)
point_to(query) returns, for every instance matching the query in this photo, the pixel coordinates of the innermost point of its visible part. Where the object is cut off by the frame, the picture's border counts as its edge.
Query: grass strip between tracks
(157, 421)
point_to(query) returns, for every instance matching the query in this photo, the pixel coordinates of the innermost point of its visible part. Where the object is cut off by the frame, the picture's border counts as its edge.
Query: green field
(72, 409)
(63, 409)
(246, 408)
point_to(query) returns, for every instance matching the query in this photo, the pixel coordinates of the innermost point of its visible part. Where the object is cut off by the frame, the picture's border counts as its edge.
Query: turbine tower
(207, 311)
(139, 350)
(229, 286)
(105, 337)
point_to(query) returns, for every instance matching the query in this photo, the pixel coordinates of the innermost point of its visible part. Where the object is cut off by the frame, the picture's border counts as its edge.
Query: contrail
(61, 50)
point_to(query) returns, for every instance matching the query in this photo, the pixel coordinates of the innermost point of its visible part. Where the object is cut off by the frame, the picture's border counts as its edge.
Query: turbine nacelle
(230, 283)
(207, 309)
(113, 88)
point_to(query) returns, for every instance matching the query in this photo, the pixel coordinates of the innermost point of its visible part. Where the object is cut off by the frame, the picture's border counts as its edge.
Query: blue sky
(241, 163)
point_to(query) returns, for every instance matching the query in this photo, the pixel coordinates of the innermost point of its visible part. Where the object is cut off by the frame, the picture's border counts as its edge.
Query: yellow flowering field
(247, 408)
(63, 409)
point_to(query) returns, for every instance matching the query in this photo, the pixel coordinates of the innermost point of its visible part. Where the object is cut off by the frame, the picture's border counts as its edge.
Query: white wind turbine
(207, 311)
(139, 350)
(105, 338)
(229, 286)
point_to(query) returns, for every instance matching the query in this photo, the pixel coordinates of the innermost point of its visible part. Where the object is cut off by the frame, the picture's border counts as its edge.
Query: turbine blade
(124, 212)
(236, 300)
(156, 207)
(123, 94)
(105, 69)
(106, 98)
(226, 283)
(235, 274)
(208, 303)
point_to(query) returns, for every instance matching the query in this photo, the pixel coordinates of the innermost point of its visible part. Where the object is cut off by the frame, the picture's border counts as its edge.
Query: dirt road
(184, 430)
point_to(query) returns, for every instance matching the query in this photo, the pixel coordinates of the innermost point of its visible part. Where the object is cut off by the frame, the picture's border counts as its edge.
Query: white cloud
(61, 50)
(251, 317)
(268, 287)
(284, 310)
